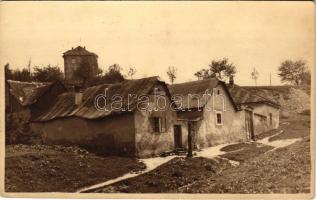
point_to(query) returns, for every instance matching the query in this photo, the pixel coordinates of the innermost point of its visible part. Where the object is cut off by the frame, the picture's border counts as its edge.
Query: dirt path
(215, 151)
(151, 164)
(278, 143)
(212, 152)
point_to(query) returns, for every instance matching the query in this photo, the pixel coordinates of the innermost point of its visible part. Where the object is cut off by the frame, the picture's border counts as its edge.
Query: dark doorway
(177, 136)
(249, 125)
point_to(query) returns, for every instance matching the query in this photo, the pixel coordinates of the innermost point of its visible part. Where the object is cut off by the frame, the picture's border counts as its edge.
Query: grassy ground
(60, 169)
(285, 170)
(180, 174)
(261, 169)
(246, 151)
(297, 126)
(171, 176)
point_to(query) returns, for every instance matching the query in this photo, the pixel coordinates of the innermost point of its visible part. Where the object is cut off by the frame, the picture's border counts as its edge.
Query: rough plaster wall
(264, 109)
(149, 143)
(233, 128)
(70, 67)
(107, 135)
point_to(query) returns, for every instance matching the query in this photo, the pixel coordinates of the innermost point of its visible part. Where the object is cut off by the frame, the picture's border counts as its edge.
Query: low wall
(113, 135)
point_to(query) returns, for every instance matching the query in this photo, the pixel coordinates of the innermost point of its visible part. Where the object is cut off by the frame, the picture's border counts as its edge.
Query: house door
(249, 125)
(177, 136)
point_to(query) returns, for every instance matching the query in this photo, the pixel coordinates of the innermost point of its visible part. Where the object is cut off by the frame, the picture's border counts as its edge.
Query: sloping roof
(188, 92)
(79, 51)
(193, 87)
(26, 92)
(242, 96)
(64, 106)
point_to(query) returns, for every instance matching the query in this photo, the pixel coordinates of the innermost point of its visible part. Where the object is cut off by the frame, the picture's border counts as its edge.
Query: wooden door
(177, 136)
(249, 125)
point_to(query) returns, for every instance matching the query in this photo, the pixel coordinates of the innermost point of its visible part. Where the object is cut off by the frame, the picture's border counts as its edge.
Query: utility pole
(270, 79)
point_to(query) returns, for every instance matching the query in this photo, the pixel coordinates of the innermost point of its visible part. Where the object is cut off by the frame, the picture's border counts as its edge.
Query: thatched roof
(244, 96)
(64, 106)
(79, 51)
(26, 92)
(189, 91)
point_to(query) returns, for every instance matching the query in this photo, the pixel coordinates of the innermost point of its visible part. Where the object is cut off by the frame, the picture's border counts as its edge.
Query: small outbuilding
(263, 114)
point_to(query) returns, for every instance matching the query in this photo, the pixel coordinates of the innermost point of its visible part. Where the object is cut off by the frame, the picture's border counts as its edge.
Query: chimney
(72, 48)
(78, 98)
(84, 47)
(231, 80)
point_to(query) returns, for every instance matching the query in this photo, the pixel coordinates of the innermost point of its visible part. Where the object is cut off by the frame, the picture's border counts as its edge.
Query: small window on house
(219, 118)
(73, 61)
(270, 116)
(159, 124)
(218, 92)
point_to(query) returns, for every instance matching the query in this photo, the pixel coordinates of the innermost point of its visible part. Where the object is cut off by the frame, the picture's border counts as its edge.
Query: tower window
(73, 61)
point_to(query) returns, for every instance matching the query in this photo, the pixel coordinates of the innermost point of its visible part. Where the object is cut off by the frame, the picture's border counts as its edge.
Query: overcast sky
(151, 36)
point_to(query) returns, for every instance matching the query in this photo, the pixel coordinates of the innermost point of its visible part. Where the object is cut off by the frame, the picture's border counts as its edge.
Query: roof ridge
(256, 95)
(196, 81)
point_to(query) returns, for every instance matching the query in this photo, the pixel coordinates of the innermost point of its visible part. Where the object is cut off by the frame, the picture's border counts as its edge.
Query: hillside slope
(291, 98)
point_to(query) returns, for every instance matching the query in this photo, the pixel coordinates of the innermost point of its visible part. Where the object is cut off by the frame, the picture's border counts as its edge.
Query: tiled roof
(79, 51)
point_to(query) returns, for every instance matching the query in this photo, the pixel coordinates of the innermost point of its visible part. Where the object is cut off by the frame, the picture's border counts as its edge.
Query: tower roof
(79, 51)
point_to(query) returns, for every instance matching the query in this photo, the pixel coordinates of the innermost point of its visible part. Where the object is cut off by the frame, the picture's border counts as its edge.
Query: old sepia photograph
(124, 99)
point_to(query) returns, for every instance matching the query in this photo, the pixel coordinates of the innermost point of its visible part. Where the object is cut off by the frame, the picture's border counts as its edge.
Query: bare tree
(131, 72)
(254, 75)
(172, 73)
